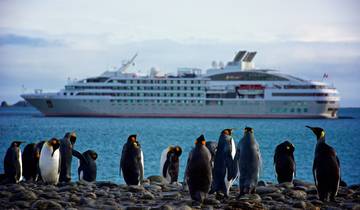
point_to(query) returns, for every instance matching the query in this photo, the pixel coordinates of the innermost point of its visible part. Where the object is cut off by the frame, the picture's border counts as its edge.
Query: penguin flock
(212, 167)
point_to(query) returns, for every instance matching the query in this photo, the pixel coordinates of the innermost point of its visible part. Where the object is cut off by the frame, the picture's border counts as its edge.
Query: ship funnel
(239, 56)
(247, 63)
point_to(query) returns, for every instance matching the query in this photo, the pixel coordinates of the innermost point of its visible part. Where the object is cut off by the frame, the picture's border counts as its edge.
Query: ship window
(71, 93)
(49, 104)
(292, 110)
(305, 110)
(298, 110)
(64, 94)
(249, 76)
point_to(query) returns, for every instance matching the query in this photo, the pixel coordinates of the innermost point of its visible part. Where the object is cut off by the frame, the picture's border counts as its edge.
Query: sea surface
(107, 135)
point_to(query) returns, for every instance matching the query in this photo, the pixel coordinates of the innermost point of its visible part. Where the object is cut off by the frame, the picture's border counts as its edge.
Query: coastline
(155, 193)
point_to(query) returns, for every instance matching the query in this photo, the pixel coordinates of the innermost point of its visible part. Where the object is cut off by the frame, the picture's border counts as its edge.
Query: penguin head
(200, 141)
(319, 132)
(73, 138)
(285, 147)
(16, 143)
(177, 151)
(248, 130)
(55, 144)
(133, 141)
(92, 154)
(227, 131)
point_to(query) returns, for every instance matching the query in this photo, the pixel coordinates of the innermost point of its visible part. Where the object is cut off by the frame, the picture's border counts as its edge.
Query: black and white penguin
(87, 167)
(212, 147)
(284, 162)
(66, 147)
(249, 162)
(225, 165)
(198, 174)
(132, 162)
(326, 167)
(50, 161)
(169, 163)
(30, 158)
(13, 163)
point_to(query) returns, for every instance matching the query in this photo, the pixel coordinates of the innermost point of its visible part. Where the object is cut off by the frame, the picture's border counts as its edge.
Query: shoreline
(155, 193)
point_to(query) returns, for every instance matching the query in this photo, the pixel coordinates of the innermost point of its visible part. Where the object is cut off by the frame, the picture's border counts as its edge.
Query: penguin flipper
(78, 155)
(187, 167)
(165, 168)
(122, 158)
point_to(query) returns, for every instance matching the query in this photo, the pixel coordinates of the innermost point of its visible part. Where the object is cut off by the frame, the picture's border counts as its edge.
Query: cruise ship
(234, 90)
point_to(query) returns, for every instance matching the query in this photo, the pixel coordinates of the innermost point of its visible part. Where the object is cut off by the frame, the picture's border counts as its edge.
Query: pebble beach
(155, 193)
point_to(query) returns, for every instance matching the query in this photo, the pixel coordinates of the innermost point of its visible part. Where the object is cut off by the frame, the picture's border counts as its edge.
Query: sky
(43, 43)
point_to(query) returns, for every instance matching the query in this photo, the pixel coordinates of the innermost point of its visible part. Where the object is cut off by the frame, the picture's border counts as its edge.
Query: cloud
(14, 39)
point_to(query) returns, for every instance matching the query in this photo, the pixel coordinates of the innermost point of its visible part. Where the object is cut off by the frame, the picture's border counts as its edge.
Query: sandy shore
(156, 194)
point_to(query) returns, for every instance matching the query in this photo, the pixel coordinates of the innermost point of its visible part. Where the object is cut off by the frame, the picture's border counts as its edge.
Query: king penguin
(30, 158)
(50, 161)
(13, 163)
(249, 162)
(225, 167)
(198, 174)
(169, 163)
(326, 167)
(66, 146)
(132, 162)
(284, 162)
(87, 166)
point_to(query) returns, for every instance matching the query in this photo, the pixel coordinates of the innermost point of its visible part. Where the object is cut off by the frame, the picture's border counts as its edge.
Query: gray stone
(23, 195)
(261, 183)
(286, 185)
(211, 201)
(16, 188)
(87, 202)
(101, 192)
(184, 207)
(299, 204)
(296, 194)
(74, 198)
(266, 198)
(266, 190)
(5, 194)
(250, 197)
(171, 195)
(135, 188)
(276, 196)
(22, 204)
(91, 195)
(303, 188)
(50, 195)
(148, 196)
(152, 187)
(108, 207)
(46, 204)
(298, 182)
(158, 179)
(317, 202)
(350, 205)
(68, 188)
(137, 208)
(106, 184)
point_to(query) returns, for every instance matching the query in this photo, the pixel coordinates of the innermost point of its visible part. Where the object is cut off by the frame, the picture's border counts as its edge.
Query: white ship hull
(228, 109)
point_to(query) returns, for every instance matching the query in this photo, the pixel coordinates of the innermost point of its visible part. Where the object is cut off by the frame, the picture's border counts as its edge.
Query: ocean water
(107, 135)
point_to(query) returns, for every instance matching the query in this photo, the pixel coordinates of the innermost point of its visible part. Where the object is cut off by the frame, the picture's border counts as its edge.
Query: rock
(276, 196)
(250, 198)
(152, 187)
(74, 198)
(100, 193)
(170, 195)
(311, 190)
(211, 201)
(184, 207)
(286, 185)
(298, 182)
(23, 195)
(266, 198)
(87, 202)
(46, 204)
(91, 195)
(148, 196)
(107, 207)
(135, 188)
(317, 202)
(22, 204)
(350, 205)
(303, 188)
(299, 204)
(234, 204)
(5, 194)
(158, 179)
(16, 188)
(106, 184)
(50, 195)
(137, 208)
(261, 183)
(67, 188)
(266, 190)
(296, 194)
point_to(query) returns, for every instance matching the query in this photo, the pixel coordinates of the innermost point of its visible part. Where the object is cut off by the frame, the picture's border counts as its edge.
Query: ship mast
(127, 64)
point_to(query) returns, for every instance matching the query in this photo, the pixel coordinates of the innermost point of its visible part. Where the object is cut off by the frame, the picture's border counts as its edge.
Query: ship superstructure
(234, 90)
